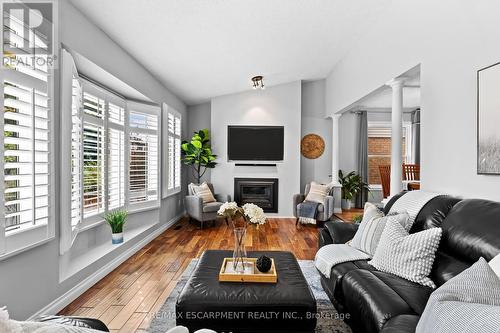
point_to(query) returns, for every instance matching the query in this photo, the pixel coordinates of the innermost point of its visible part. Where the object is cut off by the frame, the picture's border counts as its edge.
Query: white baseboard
(59, 303)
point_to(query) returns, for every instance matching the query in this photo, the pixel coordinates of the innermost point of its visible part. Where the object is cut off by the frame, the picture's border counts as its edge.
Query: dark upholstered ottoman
(287, 306)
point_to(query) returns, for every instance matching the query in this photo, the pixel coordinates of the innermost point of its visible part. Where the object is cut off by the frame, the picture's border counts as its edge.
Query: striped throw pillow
(317, 193)
(204, 192)
(371, 227)
(409, 256)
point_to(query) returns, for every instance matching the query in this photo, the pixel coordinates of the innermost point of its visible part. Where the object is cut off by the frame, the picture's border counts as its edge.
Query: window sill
(172, 193)
(130, 211)
(22, 249)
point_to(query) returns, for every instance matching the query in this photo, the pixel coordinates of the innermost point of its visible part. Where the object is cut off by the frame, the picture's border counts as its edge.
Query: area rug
(329, 321)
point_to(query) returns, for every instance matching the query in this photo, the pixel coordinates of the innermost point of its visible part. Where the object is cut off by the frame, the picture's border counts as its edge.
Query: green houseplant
(198, 154)
(116, 220)
(352, 184)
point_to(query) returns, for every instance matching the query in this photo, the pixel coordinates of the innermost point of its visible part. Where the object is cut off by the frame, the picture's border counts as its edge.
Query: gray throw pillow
(370, 230)
(409, 256)
(469, 302)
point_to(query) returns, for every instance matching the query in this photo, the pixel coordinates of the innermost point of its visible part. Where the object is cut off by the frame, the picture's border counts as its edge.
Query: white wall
(30, 281)
(314, 122)
(198, 117)
(277, 106)
(451, 40)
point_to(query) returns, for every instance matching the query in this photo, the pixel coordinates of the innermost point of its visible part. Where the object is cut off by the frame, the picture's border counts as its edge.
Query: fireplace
(260, 191)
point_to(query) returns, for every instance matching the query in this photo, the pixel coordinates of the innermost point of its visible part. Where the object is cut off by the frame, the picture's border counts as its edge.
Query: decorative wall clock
(312, 146)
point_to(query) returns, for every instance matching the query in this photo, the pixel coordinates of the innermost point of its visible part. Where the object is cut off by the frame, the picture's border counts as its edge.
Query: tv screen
(255, 143)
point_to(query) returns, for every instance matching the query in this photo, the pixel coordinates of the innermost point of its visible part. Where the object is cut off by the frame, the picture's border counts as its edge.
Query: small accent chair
(325, 210)
(385, 178)
(204, 212)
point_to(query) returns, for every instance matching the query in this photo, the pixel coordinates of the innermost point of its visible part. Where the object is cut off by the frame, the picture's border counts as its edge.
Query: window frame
(407, 134)
(166, 186)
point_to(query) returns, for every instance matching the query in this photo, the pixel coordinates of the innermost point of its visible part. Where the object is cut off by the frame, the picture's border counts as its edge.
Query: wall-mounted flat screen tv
(255, 143)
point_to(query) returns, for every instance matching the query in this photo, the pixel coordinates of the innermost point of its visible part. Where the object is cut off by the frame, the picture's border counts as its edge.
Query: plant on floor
(352, 184)
(198, 154)
(116, 220)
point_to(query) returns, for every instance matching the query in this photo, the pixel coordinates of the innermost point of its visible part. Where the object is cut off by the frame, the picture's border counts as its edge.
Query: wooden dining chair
(411, 171)
(385, 177)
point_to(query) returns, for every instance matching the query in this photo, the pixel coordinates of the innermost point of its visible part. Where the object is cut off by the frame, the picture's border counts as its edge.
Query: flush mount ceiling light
(258, 82)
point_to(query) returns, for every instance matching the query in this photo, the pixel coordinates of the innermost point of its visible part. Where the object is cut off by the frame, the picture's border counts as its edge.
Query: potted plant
(352, 184)
(116, 220)
(198, 154)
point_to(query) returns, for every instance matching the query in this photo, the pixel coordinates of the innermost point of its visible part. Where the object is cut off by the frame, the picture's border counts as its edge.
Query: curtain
(415, 129)
(362, 197)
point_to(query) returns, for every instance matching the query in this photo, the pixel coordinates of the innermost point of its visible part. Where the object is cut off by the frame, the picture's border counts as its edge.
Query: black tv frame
(257, 161)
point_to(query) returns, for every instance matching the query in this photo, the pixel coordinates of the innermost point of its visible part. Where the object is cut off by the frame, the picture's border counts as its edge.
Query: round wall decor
(312, 146)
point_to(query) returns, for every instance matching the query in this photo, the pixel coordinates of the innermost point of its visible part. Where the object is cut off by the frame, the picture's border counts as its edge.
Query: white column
(397, 136)
(337, 188)
(335, 148)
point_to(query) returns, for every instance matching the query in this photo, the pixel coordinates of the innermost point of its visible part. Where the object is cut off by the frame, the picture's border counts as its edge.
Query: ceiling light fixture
(258, 82)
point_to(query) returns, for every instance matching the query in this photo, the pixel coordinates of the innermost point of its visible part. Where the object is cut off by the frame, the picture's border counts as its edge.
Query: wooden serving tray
(226, 273)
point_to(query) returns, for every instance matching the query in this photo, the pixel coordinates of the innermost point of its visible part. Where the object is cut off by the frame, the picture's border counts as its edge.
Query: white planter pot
(346, 204)
(117, 238)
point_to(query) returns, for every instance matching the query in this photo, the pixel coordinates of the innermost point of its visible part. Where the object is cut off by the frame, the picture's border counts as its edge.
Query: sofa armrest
(341, 232)
(297, 198)
(194, 206)
(222, 197)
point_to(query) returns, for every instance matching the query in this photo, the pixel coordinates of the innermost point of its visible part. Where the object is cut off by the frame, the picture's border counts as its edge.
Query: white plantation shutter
(93, 154)
(26, 140)
(72, 152)
(143, 154)
(116, 156)
(174, 150)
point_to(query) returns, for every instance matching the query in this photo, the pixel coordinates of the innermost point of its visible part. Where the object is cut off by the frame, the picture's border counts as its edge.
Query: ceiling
(201, 49)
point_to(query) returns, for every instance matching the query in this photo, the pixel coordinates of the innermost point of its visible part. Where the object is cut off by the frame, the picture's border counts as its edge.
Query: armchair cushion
(203, 191)
(211, 207)
(317, 193)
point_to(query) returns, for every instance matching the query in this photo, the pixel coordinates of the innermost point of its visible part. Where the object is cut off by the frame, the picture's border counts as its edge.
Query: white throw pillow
(204, 192)
(495, 265)
(407, 256)
(370, 230)
(468, 302)
(317, 193)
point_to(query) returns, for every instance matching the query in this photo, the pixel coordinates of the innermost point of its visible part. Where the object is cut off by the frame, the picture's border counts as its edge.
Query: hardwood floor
(127, 298)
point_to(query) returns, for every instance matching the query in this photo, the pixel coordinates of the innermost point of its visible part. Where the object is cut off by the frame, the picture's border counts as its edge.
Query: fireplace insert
(260, 191)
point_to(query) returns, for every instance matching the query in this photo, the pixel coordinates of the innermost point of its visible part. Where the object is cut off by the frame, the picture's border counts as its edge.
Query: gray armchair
(325, 209)
(203, 212)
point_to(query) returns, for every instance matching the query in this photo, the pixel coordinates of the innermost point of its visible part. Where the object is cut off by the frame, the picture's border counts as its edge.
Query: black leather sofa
(381, 302)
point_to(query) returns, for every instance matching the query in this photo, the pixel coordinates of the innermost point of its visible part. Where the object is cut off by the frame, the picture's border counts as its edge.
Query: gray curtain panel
(362, 197)
(415, 129)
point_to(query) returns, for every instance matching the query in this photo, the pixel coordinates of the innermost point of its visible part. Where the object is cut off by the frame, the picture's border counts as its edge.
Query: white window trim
(166, 111)
(29, 237)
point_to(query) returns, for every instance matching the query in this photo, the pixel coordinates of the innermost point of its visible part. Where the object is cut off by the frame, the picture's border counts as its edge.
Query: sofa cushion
(401, 324)
(370, 301)
(211, 207)
(433, 213)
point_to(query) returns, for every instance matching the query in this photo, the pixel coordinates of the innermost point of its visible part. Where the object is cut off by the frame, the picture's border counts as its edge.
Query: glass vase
(240, 252)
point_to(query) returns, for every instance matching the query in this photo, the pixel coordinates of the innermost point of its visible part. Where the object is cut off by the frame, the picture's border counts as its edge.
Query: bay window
(112, 159)
(174, 151)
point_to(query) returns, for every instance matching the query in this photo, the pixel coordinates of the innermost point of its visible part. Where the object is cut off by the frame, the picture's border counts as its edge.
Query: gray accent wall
(30, 281)
(198, 117)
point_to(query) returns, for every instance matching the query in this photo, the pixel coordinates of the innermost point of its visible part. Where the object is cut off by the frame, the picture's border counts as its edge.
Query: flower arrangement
(250, 213)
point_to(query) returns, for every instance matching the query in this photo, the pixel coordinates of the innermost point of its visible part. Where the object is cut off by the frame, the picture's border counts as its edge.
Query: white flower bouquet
(251, 213)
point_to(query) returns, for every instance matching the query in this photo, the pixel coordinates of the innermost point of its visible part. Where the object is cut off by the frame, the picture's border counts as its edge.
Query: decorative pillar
(337, 188)
(396, 135)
